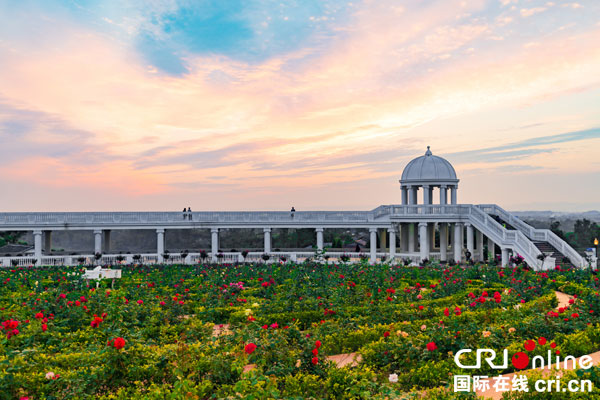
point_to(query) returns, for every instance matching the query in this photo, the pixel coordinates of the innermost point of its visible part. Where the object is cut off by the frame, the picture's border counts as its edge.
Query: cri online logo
(520, 360)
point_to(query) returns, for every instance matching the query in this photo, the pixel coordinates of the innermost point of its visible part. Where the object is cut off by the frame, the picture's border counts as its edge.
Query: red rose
(386, 334)
(529, 345)
(446, 312)
(542, 341)
(250, 347)
(118, 343)
(314, 360)
(315, 352)
(431, 346)
(44, 327)
(318, 344)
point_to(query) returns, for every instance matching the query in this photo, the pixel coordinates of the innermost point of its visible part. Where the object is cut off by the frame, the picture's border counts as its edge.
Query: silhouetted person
(184, 214)
(292, 211)
(189, 210)
(357, 248)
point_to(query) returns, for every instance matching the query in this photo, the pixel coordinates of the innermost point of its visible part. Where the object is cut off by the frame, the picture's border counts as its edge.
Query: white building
(406, 231)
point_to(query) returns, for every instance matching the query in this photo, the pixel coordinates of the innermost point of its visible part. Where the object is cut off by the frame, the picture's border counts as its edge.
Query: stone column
(411, 238)
(426, 195)
(392, 232)
(106, 240)
(373, 245)
(443, 194)
(37, 245)
(491, 250)
(382, 240)
(481, 256)
(47, 241)
(443, 241)
(453, 190)
(423, 245)
(160, 243)
(319, 238)
(456, 242)
(404, 238)
(214, 243)
(504, 256)
(413, 194)
(404, 190)
(470, 236)
(97, 241)
(267, 232)
(431, 236)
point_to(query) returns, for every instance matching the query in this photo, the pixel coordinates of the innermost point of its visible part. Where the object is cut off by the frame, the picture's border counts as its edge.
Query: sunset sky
(261, 105)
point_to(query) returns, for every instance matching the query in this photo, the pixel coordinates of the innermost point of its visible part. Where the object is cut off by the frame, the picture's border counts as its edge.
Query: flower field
(270, 330)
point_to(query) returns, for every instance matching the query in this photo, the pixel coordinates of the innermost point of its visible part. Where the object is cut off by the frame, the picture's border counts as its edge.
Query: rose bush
(154, 334)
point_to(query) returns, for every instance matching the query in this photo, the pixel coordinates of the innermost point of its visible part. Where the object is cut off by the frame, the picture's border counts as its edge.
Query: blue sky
(316, 103)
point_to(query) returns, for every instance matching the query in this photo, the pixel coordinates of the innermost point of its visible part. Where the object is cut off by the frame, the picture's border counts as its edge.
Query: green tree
(9, 237)
(584, 232)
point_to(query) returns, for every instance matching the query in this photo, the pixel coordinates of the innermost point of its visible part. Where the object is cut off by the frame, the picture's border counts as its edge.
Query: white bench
(102, 273)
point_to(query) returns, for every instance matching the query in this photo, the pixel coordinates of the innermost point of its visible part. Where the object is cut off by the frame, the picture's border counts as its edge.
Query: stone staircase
(543, 246)
(547, 248)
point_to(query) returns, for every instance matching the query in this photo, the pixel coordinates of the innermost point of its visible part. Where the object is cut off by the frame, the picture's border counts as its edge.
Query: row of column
(409, 237)
(410, 192)
(101, 241)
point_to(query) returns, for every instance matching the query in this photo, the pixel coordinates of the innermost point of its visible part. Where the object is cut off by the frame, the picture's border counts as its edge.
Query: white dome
(429, 169)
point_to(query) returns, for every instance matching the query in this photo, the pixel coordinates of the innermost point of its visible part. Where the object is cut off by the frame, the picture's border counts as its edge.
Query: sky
(317, 104)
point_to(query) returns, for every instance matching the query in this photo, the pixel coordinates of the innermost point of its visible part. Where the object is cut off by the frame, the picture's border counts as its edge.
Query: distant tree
(10, 237)
(555, 227)
(584, 233)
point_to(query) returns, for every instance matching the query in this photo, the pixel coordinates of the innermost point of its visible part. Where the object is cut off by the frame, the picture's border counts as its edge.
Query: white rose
(50, 375)
(393, 378)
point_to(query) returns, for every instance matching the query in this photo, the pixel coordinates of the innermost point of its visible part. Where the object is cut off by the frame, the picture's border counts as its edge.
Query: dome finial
(428, 152)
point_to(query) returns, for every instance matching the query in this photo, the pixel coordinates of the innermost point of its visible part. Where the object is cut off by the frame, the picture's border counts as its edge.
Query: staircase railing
(541, 235)
(515, 240)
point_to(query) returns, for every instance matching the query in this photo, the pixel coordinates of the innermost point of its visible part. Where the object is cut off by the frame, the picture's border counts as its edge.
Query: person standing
(189, 211)
(184, 214)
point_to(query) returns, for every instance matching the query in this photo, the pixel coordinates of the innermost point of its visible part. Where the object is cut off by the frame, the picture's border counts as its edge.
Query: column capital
(214, 230)
(97, 231)
(468, 224)
(421, 224)
(373, 230)
(319, 229)
(160, 230)
(266, 230)
(392, 229)
(37, 232)
(444, 186)
(425, 186)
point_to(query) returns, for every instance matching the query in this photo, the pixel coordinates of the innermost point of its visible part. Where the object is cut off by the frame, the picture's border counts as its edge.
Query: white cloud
(528, 12)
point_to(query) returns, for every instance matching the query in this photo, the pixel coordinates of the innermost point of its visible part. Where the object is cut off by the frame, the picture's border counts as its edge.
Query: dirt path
(563, 299)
